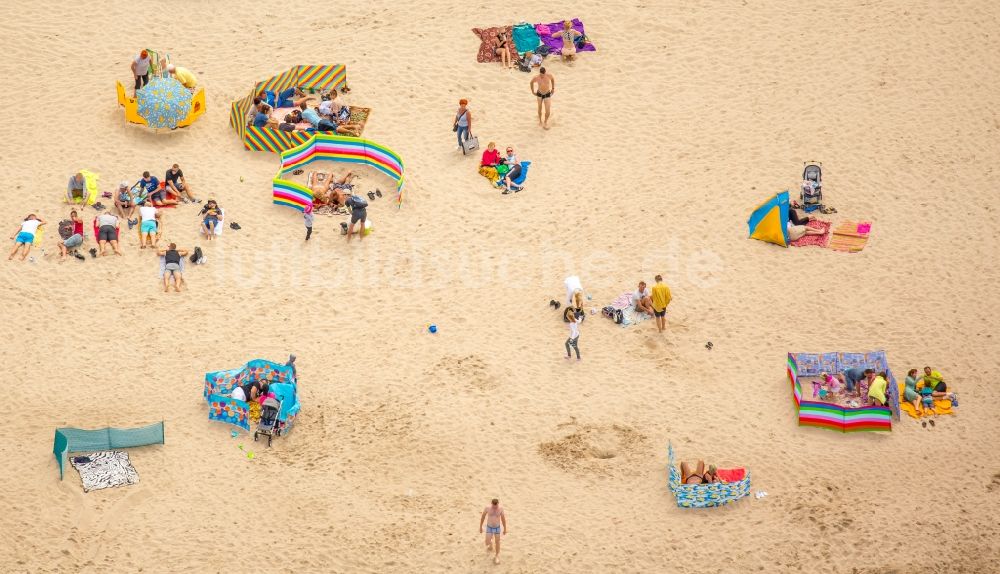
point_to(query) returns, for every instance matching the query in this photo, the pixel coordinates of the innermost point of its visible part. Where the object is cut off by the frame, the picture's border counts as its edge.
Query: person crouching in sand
(495, 518)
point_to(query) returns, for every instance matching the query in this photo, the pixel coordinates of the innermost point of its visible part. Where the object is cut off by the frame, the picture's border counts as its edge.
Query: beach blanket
(817, 240)
(90, 192)
(487, 36)
(526, 38)
(555, 45)
(105, 469)
(850, 236)
(630, 316)
(941, 406)
(163, 265)
(360, 116)
(489, 173)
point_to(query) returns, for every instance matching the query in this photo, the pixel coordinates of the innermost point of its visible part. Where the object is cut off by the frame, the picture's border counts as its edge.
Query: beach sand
(662, 142)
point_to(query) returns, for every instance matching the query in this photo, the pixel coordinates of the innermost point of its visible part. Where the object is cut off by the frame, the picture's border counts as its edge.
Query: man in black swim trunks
(544, 87)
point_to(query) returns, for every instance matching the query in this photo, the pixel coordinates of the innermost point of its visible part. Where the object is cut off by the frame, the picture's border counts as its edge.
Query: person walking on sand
(572, 343)
(463, 122)
(307, 217)
(544, 87)
(140, 70)
(495, 518)
(660, 298)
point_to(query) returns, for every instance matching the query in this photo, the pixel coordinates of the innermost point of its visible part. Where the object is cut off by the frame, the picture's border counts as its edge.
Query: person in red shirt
(491, 156)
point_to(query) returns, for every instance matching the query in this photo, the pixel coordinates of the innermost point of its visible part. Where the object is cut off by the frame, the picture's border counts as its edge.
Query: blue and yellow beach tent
(769, 222)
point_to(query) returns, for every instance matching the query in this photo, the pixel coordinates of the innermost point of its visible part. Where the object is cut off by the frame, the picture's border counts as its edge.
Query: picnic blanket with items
(526, 37)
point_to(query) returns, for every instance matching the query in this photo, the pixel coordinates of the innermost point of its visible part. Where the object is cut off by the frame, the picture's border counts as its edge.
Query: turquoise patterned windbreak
(164, 102)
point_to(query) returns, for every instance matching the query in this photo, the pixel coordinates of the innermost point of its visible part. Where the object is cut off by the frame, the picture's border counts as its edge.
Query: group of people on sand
(329, 116)
(653, 301)
(502, 42)
(142, 63)
(922, 391)
(491, 164)
(337, 194)
(865, 383)
(861, 382)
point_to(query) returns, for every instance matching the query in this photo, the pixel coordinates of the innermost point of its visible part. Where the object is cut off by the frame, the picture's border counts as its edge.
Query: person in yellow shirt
(877, 389)
(661, 298)
(183, 75)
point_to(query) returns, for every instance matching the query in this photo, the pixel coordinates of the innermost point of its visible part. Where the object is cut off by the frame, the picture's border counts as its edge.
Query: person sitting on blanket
(260, 114)
(796, 232)
(332, 108)
(331, 192)
(877, 389)
(491, 156)
(70, 236)
(508, 179)
(157, 193)
(569, 36)
(832, 383)
(934, 380)
(510, 159)
(178, 185)
(910, 393)
(642, 299)
(124, 204)
(210, 214)
(172, 266)
(77, 188)
(700, 475)
(501, 47)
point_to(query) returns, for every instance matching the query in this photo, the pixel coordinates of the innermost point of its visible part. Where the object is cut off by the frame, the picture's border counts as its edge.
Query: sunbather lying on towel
(799, 231)
(700, 475)
(329, 190)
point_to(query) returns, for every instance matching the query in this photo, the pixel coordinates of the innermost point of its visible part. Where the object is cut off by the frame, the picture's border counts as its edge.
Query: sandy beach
(662, 142)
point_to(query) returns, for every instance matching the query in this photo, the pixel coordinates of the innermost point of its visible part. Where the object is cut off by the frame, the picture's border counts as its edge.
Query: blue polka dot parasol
(164, 102)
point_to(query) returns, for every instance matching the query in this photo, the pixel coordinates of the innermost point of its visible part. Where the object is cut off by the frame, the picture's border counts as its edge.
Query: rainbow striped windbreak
(333, 148)
(331, 76)
(835, 417)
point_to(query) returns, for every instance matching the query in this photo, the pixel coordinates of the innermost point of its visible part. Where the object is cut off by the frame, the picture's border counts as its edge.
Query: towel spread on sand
(846, 236)
(163, 265)
(525, 38)
(555, 44)
(630, 316)
(731, 474)
(941, 406)
(105, 469)
(817, 240)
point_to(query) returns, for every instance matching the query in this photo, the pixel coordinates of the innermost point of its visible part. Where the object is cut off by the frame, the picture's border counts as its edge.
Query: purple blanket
(545, 32)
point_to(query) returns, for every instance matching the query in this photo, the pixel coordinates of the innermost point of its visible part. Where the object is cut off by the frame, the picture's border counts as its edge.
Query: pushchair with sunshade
(269, 410)
(812, 186)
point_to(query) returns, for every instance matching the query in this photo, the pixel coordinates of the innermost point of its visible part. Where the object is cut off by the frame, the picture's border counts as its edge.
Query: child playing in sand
(574, 334)
(307, 217)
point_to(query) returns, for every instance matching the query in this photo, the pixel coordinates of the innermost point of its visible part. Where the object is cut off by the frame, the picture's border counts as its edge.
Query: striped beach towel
(850, 236)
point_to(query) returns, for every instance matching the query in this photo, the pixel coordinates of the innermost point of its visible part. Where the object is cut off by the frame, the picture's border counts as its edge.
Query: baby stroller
(812, 187)
(268, 420)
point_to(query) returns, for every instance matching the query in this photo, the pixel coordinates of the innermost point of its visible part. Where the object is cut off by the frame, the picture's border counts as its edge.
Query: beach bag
(543, 50)
(521, 65)
(344, 114)
(197, 257)
(66, 228)
(613, 314)
(469, 145)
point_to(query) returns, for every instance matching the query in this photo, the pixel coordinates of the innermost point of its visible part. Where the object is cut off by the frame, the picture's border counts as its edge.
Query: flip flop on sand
(298, 172)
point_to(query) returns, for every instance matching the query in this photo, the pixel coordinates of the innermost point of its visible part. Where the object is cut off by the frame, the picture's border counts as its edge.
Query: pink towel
(731, 474)
(542, 30)
(864, 228)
